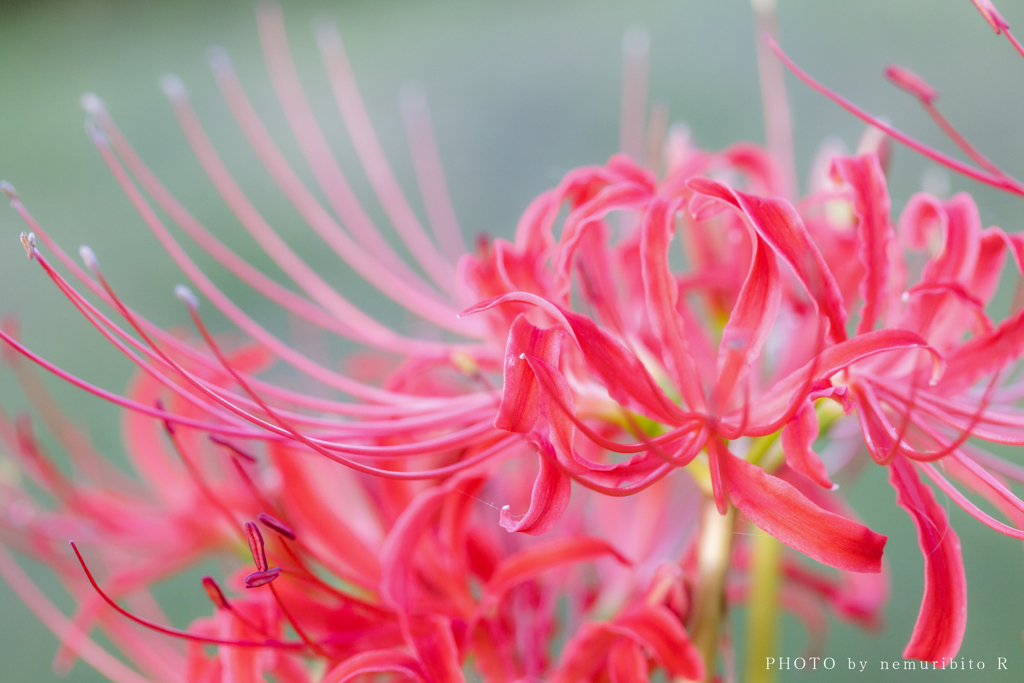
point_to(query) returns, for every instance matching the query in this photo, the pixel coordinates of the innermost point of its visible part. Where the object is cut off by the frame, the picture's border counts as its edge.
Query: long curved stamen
(636, 45)
(926, 95)
(203, 360)
(314, 444)
(426, 162)
(1011, 185)
(970, 508)
(315, 148)
(230, 309)
(67, 630)
(777, 121)
(358, 326)
(178, 633)
(443, 417)
(412, 299)
(374, 161)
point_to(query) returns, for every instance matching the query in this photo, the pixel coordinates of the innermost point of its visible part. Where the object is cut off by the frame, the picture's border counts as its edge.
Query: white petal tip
(835, 487)
(185, 294)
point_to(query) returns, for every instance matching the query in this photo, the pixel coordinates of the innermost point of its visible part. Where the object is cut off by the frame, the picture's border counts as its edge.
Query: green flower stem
(715, 549)
(763, 614)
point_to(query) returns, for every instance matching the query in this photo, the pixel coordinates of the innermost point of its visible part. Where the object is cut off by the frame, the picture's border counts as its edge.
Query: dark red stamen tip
(168, 426)
(277, 525)
(909, 81)
(215, 594)
(220, 441)
(992, 15)
(262, 578)
(259, 555)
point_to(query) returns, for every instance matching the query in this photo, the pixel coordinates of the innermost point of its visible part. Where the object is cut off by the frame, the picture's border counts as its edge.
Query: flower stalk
(714, 553)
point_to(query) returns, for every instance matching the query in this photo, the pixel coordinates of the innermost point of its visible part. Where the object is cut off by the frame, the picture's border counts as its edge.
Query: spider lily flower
(575, 353)
(911, 424)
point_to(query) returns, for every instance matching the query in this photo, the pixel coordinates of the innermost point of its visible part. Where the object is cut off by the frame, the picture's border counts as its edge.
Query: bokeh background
(520, 92)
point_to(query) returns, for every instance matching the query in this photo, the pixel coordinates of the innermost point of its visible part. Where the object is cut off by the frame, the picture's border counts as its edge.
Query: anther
(93, 104)
(277, 525)
(28, 243)
(636, 41)
(215, 594)
(88, 257)
(259, 555)
(173, 87)
(909, 81)
(219, 60)
(185, 294)
(327, 35)
(221, 441)
(992, 15)
(9, 190)
(168, 425)
(262, 578)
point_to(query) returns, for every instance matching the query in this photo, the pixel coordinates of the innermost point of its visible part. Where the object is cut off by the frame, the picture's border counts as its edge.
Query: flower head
(401, 521)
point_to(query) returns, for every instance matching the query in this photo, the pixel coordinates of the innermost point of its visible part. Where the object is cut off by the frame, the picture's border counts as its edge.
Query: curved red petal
(520, 396)
(943, 617)
(781, 510)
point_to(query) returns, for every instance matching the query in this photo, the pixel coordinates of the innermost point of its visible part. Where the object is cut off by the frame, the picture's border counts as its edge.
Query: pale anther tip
(28, 243)
(219, 59)
(636, 40)
(173, 87)
(9, 190)
(506, 508)
(88, 257)
(92, 104)
(522, 356)
(185, 294)
(905, 297)
(327, 33)
(763, 7)
(835, 487)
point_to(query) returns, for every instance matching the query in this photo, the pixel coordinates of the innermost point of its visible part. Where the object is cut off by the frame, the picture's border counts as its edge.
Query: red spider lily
(616, 369)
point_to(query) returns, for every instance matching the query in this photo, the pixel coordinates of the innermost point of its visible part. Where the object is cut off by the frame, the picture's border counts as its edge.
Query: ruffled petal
(797, 440)
(655, 627)
(526, 564)
(375, 662)
(520, 396)
(661, 291)
(871, 206)
(778, 223)
(549, 499)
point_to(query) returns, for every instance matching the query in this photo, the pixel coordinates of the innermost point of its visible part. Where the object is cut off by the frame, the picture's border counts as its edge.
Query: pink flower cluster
(505, 497)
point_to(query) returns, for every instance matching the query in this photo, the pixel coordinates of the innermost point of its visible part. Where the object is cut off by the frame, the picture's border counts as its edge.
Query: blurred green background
(520, 92)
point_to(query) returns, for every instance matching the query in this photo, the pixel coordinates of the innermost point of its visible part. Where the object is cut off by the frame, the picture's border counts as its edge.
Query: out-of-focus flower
(583, 353)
